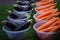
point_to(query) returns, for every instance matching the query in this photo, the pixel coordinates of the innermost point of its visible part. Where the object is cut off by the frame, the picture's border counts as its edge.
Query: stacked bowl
(18, 22)
(47, 19)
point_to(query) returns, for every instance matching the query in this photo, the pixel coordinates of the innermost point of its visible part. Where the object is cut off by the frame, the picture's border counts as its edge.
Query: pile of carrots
(50, 14)
(46, 7)
(49, 9)
(51, 25)
(44, 2)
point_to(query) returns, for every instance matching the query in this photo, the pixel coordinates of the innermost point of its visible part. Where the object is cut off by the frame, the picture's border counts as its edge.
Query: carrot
(46, 13)
(48, 17)
(55, 28)
(46, 0)
(51, 27)
(46, 6)
(49, 5)
(53, 15)
(44, 3)
(43, 15)
(43, 0)
(57, 22)
(47, 29)
(44, 18)
(44, 10)
(51, 21)
(57, 14)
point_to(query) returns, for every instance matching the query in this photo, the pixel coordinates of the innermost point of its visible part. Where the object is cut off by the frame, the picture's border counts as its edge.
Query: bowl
(43, 35)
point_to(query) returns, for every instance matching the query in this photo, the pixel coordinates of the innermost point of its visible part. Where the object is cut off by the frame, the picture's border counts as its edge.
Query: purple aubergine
(10, 26)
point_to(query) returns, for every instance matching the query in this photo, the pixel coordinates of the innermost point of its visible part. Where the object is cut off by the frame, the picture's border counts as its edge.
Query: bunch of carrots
(44, 2)
(50, 14)
(46, 7)
(51, 25)
(49, 9)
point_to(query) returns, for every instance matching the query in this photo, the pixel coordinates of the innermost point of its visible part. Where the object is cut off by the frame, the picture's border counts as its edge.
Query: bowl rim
(23, 11)
(15, 31)
(9, 18)
(40, 31)
(34, 16)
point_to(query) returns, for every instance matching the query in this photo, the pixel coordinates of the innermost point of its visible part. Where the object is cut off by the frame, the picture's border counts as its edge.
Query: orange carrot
(44, 10)
(55, 28)
(43, 0)
(49, 17)
(46, 0)
(46, 13)
(55, 10)
(45, 25)
(46, 6)
(57, 22)
(51, 27)
(53, 15)
(47, 29)
(44, 3)
(45, 17)
(50, 4)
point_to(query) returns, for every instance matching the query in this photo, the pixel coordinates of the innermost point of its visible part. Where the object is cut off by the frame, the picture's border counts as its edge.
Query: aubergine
(18, 9)
(11, 26)
(24, 3)
(16, 16)
(23, 8)
(25, 26)
(13, 16)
